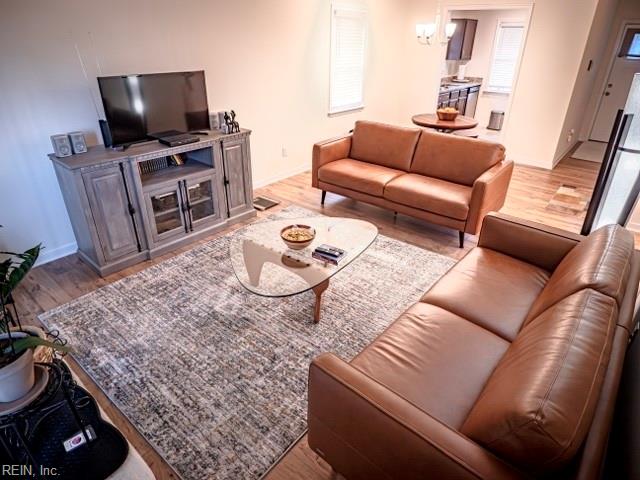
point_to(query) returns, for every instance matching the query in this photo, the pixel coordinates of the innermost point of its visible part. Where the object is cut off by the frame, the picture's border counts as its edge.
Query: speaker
(61, 145)
(106, 133)
(213, 121)
(78, 144)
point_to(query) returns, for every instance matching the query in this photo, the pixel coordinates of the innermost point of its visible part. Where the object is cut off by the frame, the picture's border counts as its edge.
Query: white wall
(480, 63)
(268, 60)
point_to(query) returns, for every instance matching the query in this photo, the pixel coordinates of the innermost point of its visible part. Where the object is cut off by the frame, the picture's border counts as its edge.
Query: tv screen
(139, 106)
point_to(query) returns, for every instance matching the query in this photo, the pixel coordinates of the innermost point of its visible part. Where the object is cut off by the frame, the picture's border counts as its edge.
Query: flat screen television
(138, 107)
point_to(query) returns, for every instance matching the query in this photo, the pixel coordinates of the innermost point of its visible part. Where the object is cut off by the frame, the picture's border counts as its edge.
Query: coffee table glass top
(266, 266)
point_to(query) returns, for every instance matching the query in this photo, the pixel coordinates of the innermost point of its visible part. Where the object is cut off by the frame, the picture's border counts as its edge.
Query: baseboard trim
(569, 150)
(281, 176)
(50, 254)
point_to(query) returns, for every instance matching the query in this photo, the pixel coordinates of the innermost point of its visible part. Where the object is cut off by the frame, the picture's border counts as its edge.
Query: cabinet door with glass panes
(201, 201)
(167, 212)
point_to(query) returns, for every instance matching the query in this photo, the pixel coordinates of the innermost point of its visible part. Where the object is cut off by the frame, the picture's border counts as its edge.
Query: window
(348, 43)
(506, 50)
(630, 44)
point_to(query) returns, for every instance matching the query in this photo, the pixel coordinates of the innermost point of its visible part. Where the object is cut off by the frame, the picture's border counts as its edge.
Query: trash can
(496, 119)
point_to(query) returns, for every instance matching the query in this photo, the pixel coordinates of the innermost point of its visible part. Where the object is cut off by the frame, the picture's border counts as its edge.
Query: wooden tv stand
(129, 206)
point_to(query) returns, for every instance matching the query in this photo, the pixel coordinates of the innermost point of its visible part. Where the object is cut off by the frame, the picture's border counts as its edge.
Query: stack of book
(328, 254)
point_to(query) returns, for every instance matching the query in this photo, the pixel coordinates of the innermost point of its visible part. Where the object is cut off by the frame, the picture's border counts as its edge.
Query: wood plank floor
(531, 189)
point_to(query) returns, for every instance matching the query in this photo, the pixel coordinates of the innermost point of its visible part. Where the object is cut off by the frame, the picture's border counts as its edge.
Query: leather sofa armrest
(364, 430)
(488, 194)
(532, 242)
(328, 151)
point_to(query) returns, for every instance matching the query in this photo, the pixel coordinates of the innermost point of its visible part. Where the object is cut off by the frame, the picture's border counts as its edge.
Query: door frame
(449, 7)
(626, 23)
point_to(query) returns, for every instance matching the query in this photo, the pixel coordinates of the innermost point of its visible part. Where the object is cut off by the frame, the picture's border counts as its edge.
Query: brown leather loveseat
(507, 368)
(445, 179)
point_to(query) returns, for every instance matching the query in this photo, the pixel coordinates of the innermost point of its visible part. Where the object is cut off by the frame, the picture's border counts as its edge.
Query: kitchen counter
(447, 85)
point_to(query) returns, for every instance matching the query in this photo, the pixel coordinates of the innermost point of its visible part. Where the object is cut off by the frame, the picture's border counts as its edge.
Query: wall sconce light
(427, 31)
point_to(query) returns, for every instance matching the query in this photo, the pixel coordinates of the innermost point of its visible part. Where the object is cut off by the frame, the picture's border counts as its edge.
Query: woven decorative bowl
(447, 115)
(297, 237)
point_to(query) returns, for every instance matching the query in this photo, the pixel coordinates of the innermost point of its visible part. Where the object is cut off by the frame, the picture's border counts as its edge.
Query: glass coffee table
(266, 266)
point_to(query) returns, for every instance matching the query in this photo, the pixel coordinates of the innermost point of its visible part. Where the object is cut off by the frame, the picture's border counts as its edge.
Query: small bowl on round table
(447, 115)
(297, 237)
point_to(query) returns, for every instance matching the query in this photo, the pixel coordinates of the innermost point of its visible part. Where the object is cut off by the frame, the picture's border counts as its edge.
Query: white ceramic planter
(40, 353)
(17, 378)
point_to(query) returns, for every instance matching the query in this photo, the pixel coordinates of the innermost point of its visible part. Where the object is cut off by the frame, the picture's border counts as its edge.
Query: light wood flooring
(529, 195)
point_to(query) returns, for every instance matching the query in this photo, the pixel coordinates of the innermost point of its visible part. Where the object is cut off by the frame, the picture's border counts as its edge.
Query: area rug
(215, 377)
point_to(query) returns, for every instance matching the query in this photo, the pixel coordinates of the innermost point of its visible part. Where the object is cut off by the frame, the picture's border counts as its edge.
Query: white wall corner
(565, 152)
(50, 254)
(263, 182)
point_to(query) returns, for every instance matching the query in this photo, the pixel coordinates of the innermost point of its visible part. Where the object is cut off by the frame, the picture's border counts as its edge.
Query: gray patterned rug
(216, 377)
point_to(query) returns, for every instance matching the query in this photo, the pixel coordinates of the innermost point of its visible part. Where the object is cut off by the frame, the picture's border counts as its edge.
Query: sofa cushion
(382, 144)
(455, 159)
(356, 175)
(430, 194)
(538, 405)
(422, 358)
(601, 261)
(490, 289)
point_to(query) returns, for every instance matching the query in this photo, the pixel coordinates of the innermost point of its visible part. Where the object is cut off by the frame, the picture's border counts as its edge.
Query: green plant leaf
(22, 344)
(12, 272)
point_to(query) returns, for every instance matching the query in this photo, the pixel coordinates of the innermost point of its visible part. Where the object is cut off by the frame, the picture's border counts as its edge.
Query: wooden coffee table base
(319, 290)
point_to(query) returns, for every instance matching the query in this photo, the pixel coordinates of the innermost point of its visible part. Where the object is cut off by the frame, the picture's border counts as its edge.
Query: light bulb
(450, 29)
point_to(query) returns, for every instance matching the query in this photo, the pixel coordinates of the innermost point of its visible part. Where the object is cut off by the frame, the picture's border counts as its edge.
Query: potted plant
(17, 344)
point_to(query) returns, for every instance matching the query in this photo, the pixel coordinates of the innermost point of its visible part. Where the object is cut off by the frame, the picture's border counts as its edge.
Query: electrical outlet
(284, 152)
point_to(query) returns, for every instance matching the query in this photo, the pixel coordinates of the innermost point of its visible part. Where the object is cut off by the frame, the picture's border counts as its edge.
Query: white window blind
(505, 57)
(348, 44)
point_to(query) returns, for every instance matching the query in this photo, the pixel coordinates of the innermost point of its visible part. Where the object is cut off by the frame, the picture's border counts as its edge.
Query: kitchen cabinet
(460, 46)
(111, 205)
(237, 176)
(166, 210)
(464, 99)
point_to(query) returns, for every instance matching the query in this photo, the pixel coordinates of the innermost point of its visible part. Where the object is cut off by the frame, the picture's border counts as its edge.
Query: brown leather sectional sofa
(444, 179)
(507, 368)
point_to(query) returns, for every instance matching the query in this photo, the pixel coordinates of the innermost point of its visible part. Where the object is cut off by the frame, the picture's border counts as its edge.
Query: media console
(126, 207)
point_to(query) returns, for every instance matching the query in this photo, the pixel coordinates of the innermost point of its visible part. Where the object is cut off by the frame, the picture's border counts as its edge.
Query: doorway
(625, 65)
(495, 37)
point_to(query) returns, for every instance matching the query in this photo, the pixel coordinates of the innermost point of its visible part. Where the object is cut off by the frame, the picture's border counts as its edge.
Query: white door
(616, 91)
